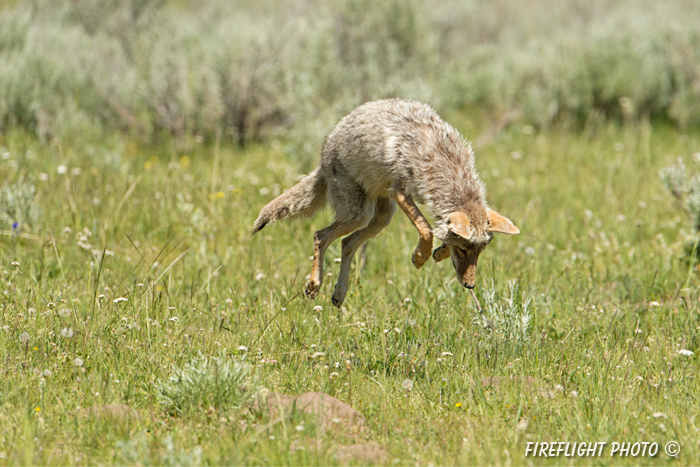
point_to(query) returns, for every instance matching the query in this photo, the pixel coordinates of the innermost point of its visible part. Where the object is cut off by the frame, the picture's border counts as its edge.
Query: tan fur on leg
(322, 239)
(421, 254)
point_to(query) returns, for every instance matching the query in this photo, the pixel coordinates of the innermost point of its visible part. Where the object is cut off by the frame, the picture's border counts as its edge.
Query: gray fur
(302, 200)
(404, 144)
(381, 149)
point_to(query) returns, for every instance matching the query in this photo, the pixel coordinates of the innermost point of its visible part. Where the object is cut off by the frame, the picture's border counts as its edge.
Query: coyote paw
(441, 253)
(312, 288)
(420, 257)
(338, 297)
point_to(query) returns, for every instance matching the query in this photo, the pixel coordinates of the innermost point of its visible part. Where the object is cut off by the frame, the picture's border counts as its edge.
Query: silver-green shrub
(684, 188)
(258, 69)
(17, 207)
(204, 382)
(504, 320)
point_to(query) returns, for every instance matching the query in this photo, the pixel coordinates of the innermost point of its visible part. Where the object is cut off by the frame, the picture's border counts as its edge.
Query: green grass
(601, 245)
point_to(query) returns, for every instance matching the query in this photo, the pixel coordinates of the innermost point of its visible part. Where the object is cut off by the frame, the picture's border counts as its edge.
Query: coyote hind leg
(324, 237)
(353, 211)
(384, 211)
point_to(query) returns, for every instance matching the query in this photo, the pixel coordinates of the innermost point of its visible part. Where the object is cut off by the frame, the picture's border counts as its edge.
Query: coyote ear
(458, 222)
(498, 223)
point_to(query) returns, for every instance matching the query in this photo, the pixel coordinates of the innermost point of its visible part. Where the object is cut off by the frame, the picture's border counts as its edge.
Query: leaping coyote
(385, 153)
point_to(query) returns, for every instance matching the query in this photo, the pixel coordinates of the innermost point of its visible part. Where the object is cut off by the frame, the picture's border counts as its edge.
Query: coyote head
(464, 237)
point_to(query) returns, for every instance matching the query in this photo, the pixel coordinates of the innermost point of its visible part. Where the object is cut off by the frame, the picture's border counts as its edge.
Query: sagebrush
(299, 66)
(207, 382)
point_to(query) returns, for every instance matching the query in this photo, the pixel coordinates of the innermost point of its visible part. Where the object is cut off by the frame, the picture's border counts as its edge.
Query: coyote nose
(469, 286)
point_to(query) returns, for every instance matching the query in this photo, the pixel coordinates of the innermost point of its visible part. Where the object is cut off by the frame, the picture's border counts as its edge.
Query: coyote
(385, 153)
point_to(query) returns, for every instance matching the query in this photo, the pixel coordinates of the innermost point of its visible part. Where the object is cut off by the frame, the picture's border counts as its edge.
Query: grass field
(139, 258)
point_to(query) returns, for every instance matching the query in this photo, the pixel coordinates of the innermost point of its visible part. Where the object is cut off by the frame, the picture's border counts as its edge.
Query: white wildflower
(687, 353)
(78, 361)
(67, 333)
(407, 384)
(120, 300)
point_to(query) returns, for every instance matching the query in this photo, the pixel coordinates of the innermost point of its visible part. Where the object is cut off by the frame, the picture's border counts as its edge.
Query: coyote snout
(463, 260)
(385, 154)
(463, 243)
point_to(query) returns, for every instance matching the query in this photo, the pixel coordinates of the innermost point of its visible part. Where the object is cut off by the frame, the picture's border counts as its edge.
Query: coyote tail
(303, 199)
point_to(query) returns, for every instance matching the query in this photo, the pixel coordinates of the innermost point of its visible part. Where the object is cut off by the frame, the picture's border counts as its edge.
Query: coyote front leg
(425, 244)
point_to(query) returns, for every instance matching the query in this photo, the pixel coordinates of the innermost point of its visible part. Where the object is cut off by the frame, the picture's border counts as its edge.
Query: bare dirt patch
(114, 411)
(365, 453)
(330, 414)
